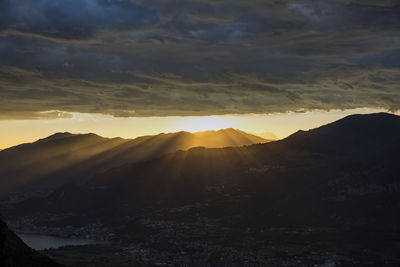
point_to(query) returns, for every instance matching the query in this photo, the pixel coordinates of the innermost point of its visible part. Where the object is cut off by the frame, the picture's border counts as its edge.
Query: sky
(13, 132)
(121, 60)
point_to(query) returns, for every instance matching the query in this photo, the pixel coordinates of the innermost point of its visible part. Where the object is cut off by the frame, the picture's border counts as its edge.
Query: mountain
(222, 138)
(298, 169)
(268, 136)
(15, 253)
(333, 191)
(73, 158)
(356, 134)
(35, 162)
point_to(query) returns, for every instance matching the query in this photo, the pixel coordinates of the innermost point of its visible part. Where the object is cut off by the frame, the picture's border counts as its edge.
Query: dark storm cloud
(144, 58)
(72, 19)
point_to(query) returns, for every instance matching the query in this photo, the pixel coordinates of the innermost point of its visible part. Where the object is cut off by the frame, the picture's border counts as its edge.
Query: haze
(14, 132)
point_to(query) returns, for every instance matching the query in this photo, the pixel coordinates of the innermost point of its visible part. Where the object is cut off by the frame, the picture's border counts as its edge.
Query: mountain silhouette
(354, 134)
(15, 253)
(73, 158)
(336, 186)
(294, 172)
(268, 136)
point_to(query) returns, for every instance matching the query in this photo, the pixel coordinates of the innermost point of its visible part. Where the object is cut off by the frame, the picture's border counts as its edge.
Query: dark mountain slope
(310, 197)
(285, 182)
(73, 158)
(25, 164)
(368, 190)
(355, 135)
(14, 252)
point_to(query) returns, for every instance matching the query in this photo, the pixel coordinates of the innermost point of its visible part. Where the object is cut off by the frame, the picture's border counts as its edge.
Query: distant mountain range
(296, 171)
(72, 158)
(268, 136)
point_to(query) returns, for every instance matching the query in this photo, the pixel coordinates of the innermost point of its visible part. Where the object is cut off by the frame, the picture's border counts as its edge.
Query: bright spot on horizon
(206, 123)
(14, 132)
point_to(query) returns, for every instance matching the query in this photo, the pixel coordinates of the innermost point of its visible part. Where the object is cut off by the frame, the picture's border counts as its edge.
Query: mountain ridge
(73, 158)
(320, 188)
(203, 165)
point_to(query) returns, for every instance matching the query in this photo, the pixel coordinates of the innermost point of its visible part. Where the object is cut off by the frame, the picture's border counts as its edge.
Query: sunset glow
(197, 124)
(199, 133)
(13, 132)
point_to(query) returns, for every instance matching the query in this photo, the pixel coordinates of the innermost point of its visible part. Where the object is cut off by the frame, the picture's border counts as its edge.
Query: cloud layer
(200, 57)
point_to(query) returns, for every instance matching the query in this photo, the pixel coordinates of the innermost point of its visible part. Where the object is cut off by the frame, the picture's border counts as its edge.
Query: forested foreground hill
(15, 253)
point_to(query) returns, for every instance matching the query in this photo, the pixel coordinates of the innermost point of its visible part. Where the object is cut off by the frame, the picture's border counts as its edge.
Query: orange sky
(13, 132)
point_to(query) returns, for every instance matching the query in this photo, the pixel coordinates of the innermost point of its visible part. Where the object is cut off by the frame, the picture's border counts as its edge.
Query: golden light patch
(197, 124)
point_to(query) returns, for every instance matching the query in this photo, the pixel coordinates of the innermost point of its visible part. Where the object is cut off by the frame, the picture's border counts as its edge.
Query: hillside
(36, 168)
(268, 136)
(332, 190)
(15, 253)
(296, 163)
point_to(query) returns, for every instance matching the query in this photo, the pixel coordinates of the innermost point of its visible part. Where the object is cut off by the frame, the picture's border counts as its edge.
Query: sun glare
(197, 124)
(13, 132)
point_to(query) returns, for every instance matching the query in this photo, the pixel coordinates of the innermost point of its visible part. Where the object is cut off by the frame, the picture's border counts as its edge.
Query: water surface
(40, 242)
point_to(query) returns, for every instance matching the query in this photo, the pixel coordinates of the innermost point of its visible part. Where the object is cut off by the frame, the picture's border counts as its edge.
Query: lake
(40, 242)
